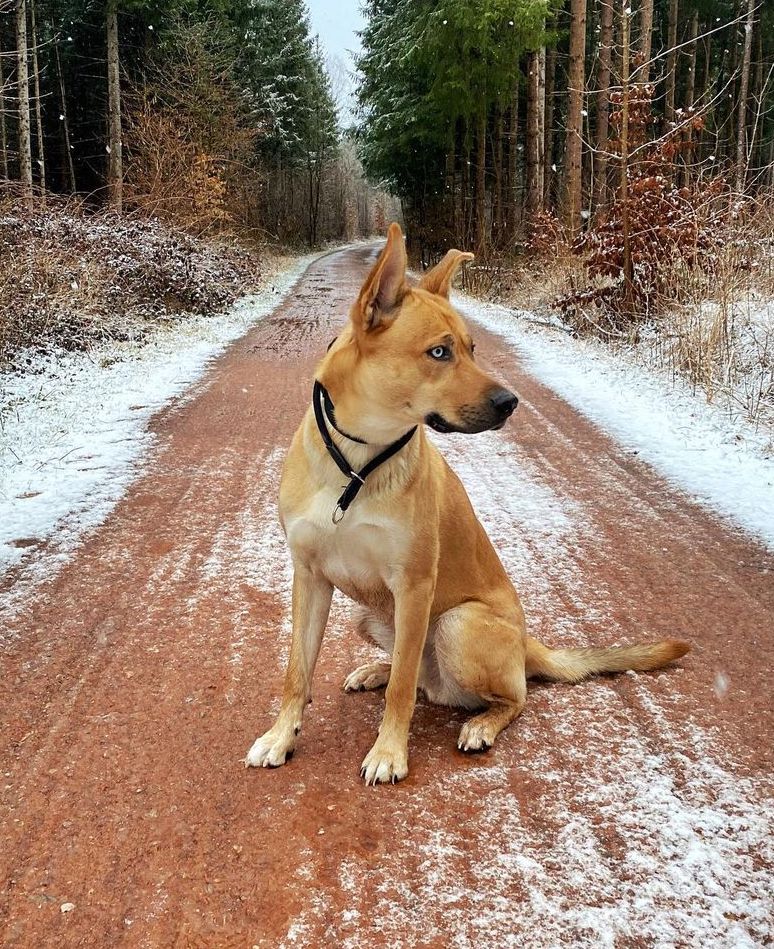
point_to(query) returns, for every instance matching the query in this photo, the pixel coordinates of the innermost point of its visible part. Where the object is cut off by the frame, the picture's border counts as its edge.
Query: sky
(336, 22)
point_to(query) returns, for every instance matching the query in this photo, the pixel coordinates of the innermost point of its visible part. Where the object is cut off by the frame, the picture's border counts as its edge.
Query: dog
(402, 540)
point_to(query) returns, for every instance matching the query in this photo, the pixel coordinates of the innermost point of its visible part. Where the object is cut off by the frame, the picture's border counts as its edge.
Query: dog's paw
(270, 750)
(384, 764)
(373, 675)
(476, 735)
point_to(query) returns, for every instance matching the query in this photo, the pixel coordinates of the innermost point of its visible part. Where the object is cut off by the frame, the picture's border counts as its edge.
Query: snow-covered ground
(719, 460)
(73, 429)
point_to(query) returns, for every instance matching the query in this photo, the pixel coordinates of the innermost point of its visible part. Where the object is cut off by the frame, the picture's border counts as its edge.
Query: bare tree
(480, 181)
(690, 94)
(548, 148)
(38, 106)
(628, 264)
(68, 153)
(536, 100)
(511, 205)
(573, 176)
(646, 38)
(603, 101)
(497, 158)
(115, 163)
(671, 62)
(741, 126)
(3, 131)
(22, 78)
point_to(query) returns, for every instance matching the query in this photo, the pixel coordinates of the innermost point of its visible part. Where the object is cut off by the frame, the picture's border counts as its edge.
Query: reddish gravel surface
(626, 811)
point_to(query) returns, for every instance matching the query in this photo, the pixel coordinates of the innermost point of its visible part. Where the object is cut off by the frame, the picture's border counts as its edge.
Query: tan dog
(409, 549)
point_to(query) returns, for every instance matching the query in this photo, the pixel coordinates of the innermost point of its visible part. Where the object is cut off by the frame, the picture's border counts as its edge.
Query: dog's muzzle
(493, 413)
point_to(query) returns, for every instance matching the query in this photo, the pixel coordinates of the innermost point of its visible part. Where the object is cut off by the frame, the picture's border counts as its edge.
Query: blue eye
(439, 352)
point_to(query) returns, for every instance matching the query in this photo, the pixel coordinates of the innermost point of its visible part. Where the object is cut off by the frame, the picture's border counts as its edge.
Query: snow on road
(633, 836)
(721, 462)
(73, 430)
(604, 817)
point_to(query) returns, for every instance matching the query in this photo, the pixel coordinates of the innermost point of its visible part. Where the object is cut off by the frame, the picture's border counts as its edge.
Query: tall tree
(671, 62)
(115, 144)
(38, 103)
(603, 102)
(573, 170)
(22, 81)
(65, 124)
(3, 130)
(536, 100)
(548, 147)
(646, 39)
(741, 127)
(690, 93)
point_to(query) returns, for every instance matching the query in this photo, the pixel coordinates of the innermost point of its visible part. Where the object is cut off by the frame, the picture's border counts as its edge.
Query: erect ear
(439, 278)
(384, 286)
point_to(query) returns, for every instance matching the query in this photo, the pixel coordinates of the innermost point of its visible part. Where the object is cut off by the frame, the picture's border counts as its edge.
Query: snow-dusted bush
(68, 277)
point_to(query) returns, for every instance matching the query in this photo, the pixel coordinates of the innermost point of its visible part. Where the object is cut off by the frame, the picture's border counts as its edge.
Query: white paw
(270, 750)
(373, 675)
(476, 735)
(384, 764)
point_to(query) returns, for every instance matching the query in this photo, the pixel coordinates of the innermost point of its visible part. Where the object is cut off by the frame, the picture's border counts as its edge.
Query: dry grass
(69, 278)
(713, 327)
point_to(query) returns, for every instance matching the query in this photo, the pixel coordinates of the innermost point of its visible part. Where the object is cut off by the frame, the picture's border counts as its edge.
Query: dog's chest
(359, 555)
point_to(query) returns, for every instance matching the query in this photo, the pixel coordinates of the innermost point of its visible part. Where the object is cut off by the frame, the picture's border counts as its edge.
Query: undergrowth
(71, 278)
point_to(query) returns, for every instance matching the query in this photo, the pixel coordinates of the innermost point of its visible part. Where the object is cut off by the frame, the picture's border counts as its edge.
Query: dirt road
(627, 811)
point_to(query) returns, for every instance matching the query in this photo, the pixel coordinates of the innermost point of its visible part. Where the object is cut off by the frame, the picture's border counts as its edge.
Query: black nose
(503, 402)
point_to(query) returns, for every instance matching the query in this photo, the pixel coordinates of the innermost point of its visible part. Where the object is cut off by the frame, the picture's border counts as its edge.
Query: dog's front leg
(311, 604)
(388, 759)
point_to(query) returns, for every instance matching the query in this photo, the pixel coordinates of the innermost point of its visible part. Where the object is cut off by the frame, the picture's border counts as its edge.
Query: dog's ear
(438, 279)
(385, 286)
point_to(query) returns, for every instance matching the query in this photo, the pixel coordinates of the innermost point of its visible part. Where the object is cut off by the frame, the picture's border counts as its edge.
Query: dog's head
(407, 357)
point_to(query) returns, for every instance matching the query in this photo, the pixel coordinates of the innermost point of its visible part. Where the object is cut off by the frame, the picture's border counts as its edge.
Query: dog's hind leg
(480, 659)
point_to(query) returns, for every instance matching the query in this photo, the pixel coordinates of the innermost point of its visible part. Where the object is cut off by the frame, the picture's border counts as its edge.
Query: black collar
(323, 406)
(330, 413)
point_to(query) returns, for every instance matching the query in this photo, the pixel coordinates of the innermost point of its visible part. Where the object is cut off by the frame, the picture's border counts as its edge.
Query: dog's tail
(572, 665)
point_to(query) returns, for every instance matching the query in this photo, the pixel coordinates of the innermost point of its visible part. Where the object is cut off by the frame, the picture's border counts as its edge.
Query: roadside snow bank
(721, 462)
(73, 429)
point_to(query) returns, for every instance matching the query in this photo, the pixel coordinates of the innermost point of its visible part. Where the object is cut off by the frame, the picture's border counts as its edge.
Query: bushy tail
(572, 665)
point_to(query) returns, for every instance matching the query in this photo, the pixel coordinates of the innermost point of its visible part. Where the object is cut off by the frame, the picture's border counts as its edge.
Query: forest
(482, 114)
(630, 144)
(212, 115)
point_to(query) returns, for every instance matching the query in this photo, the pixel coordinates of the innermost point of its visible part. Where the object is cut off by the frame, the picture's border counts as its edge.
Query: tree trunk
(497, 161)
(65, 124)
(38, 108)
(25, 149)
(646, 37)
(741, 121)
(548, 145)
(758, 98)
(628, 266)
(690, 94)
(512, 204)
(728, 126)
(671, 63)
(480, 195)
(3, 131)
(449, 185)
(115, 163)
(603, 102)
(535, 130)
(573, 156)
(465, 186)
